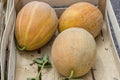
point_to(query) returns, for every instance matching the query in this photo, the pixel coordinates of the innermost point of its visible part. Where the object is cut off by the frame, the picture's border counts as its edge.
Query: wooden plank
(24, 67)
(51, 74)
(88, 76)
(112, 45)
(10, 4)
(11, 47)
(116, 30)
(105, 65)
(12, 56)
(1, 21)
(59, 11)
(114, 22)
(59, 3)
(4, 42)
(101, 6)
(53, 3)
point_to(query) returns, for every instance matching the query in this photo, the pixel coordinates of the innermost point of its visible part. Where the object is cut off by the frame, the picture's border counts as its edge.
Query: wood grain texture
(59, 3)
(1, 21)
(24, 65)
(113, 46)
(101, 6)
(12, 55)
(113, 25)
(105, 65)
(4, 41)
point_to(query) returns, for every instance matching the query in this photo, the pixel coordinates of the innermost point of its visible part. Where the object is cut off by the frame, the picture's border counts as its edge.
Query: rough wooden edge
(9, 8)
(116, 28)
(4, 42)
(115, 53)
(59, 3)
(1, 21)
(12, 48)
(114, 22)
(101, 6)
(12, 57)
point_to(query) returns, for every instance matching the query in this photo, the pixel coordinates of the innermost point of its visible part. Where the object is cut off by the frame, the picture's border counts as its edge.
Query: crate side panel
(58, 3)
(105, 66)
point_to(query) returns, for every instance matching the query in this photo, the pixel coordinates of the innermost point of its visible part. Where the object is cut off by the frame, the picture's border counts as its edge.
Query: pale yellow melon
(74, 50)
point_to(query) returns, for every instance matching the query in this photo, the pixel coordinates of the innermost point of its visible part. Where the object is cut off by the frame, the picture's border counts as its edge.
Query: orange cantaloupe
(82, 15)
(35, 25)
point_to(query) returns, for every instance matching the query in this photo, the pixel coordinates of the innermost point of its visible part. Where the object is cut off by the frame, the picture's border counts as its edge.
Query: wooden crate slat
(105, 65)
(58, 3)
(24, 65)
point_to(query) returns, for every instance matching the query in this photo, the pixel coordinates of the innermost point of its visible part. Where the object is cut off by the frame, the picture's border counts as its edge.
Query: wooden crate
(106, 67)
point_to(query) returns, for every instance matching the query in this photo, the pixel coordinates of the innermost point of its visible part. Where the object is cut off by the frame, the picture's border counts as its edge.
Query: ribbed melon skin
(82, 15)
(35, 25)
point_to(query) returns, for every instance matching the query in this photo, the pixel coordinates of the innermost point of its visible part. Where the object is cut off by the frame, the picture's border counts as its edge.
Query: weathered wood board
(59, 3)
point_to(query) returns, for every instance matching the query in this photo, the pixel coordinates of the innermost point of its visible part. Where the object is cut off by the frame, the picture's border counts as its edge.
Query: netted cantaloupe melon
(35, 25)
(74, 52)
(82, 15)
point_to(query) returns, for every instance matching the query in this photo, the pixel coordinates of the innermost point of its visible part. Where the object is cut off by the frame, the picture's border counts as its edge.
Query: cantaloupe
(73, 51)
(35, 25)
(82, 15)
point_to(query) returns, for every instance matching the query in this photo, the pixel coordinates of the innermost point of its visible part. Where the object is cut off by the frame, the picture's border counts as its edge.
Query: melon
(35, 25)
(82, 15)
(73, 51)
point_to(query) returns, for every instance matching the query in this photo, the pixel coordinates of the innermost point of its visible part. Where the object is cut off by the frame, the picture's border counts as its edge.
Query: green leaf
(40, 65)
(73, 79)
(38, 60)
(31, 79)
(37, 78)
(48, 65)
(45, 58)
